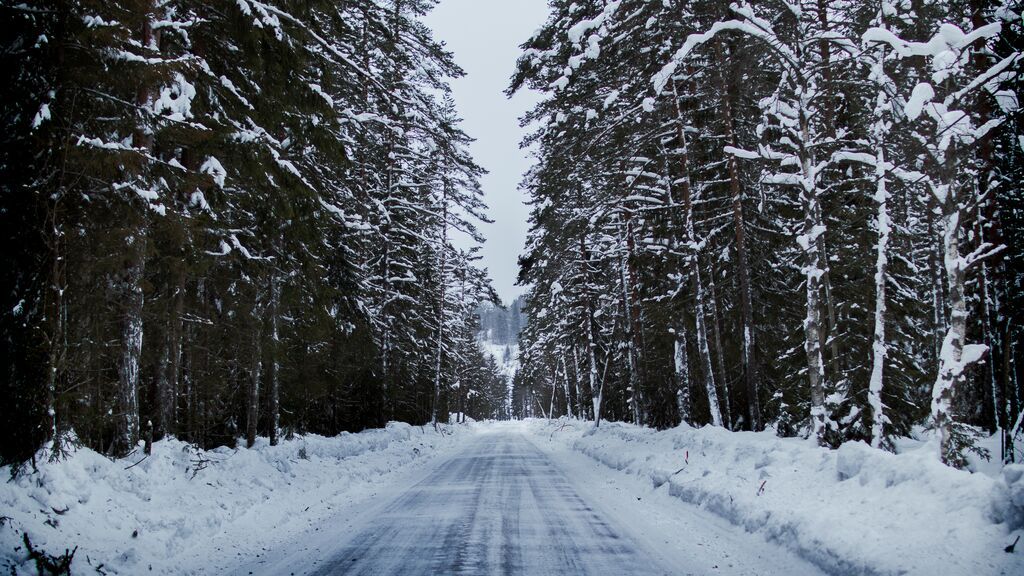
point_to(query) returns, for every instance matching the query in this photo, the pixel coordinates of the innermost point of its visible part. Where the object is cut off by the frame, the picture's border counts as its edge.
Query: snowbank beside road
(855, 510)
(183, 510)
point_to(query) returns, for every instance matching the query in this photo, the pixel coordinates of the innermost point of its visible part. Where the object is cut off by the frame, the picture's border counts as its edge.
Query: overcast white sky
(485, 36)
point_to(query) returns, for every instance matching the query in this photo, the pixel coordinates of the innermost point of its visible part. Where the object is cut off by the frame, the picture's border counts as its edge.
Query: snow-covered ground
(183, 511)
(855, 510)
(508, 504)
(703, 500)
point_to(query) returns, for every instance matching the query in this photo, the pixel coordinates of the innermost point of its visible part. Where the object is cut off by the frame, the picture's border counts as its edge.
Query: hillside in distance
(499, 335)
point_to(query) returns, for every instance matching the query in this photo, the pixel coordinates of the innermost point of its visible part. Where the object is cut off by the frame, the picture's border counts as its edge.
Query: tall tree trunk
(703, 350)
(826, 107)
(878, 344)
(443, 264)
(135, 267)
(751, 370)
(631, 321)
(565, 387)
(55, 317)
(255, 375)
(188, 364)
(131, 345)
(554, 388)
(716, 334)
(275, 355)
(951, 358)
(813, 272)
(879, 142)
(682, 369)
(596, 388)
(169, 370)
(580, 406)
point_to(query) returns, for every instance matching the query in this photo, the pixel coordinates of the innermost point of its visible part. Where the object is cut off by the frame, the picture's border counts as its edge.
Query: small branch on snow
(559, 429)
(137, 463)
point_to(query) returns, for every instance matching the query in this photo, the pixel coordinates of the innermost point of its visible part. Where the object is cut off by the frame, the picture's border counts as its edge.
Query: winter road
(502, 506)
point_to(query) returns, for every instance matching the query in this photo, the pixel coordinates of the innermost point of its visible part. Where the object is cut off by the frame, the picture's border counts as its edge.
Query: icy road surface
(503, 506)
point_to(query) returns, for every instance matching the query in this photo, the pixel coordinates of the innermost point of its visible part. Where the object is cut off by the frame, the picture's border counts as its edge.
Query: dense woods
(242, 219)
(231, 219)
(804, 216)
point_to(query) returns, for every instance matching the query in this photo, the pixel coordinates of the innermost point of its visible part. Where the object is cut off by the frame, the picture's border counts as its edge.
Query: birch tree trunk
(812, 228)
(951, 358)
(879, 348)
(878, 344)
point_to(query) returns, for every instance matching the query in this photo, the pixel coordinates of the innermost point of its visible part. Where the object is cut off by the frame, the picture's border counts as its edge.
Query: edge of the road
(298, 550)
(674, 533)
(683, 538)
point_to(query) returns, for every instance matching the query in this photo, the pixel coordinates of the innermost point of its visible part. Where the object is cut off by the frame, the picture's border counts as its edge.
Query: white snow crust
(173, 514)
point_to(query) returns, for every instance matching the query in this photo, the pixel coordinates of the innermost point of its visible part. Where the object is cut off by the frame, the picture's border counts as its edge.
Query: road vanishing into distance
(502, 506)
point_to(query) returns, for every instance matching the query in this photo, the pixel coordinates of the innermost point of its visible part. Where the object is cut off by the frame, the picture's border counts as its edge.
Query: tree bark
(703, 350)
(275, 355)
(255, 375)
(879, 348)
(443, 263)
(716, 333)
(682, 368)
(951, 357)
(751, 370)
(596, 388)
(632, 321)
(813, 272)
(131, 345)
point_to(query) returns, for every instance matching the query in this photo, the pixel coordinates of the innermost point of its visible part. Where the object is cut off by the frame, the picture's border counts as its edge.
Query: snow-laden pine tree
(239, 212)
(700, 165)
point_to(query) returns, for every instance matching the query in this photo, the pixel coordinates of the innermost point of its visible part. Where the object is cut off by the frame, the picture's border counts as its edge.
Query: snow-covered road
(504, 506)
(499, 507)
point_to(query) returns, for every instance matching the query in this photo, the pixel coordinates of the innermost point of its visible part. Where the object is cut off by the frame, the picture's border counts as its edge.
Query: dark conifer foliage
(797, 215)
(227, 220)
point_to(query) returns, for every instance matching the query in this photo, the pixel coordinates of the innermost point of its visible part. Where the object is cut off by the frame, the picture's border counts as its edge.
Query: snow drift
(855, 510)
(184, 510)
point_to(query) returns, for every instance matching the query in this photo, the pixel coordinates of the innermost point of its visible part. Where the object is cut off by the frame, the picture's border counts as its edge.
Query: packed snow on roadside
(189, 511)
(855, 510)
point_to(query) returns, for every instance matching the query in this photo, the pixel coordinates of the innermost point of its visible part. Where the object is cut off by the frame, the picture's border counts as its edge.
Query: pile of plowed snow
(855, 510)
(184, 510)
